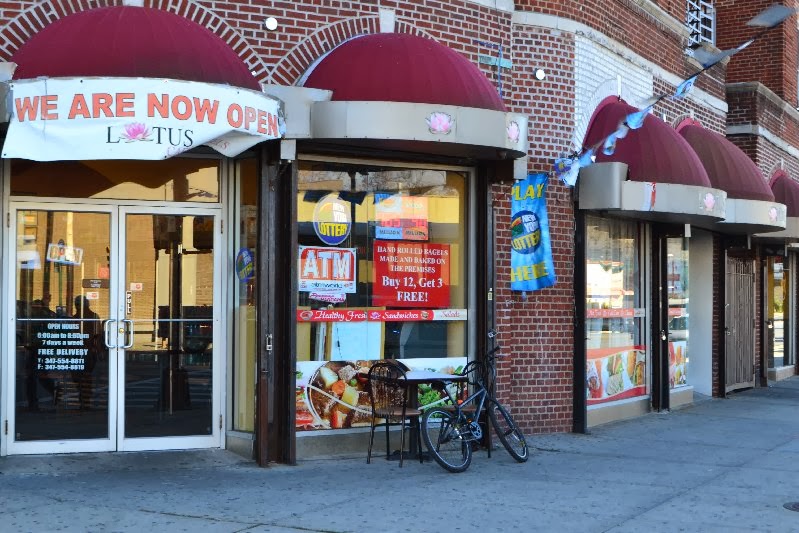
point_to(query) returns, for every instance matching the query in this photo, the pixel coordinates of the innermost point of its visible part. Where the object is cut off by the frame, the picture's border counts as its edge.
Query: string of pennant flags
(568, 168)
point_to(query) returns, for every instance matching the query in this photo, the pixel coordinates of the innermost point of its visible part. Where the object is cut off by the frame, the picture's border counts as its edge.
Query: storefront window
(616, 356)
(677, 285)
(244, 296)
(382, 274)
(777, 311)
(179, 179)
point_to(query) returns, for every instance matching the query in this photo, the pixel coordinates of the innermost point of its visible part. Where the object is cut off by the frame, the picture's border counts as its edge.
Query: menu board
(615, 373)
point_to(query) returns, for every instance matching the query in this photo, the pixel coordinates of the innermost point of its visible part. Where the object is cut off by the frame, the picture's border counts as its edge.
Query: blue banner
(531, 266)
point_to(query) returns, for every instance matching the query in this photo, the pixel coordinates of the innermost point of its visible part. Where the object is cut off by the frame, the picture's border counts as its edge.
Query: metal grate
(700, 18)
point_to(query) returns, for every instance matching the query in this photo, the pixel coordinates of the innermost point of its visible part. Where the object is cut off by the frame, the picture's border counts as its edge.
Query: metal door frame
(9, 359)
(115, 441)
(217, 361)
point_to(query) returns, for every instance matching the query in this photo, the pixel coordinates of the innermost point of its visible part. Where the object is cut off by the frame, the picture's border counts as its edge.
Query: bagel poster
(531, 266)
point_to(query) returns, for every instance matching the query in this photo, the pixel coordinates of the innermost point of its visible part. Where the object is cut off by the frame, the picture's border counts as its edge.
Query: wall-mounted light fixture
(270, 24)
(540, 74)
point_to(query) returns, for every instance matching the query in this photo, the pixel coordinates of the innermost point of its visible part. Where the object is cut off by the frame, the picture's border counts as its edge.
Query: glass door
(116, 329)
(61, 374)
(169, 376)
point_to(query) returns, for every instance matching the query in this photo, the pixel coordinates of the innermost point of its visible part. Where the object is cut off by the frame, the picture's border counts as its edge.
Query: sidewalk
(722, 465)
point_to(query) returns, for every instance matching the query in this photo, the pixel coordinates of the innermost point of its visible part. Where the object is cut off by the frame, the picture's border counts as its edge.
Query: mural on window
(382, 258)
(616, 362)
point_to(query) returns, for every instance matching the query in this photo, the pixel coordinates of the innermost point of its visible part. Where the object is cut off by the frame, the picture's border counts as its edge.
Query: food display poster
(615, 373)
(410, 274)
(323, 269)
(678, 363)
(333, 394)
(531, 266)
(400, 217)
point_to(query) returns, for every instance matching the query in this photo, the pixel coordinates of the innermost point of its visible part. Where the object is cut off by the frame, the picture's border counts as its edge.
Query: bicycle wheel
(508, 432)
(446, 445)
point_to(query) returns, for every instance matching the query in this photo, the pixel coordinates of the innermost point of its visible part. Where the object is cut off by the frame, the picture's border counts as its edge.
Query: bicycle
(448, 431)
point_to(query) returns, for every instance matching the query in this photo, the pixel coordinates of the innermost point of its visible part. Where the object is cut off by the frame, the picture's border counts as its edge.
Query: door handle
(106, 333)
(128, 333)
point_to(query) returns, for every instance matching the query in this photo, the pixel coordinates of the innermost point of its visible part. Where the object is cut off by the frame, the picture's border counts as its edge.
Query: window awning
(398, 67)
(786, 191)
(653, 173)
(129, 42)
(405, 92)
(751, 207)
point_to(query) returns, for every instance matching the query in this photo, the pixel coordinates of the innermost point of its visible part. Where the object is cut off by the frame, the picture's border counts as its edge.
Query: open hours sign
(411, 274)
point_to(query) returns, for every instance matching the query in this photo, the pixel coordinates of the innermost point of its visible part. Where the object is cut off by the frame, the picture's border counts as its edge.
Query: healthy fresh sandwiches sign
(134, 118)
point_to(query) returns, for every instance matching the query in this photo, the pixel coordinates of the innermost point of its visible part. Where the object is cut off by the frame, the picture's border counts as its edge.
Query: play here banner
(56, 119)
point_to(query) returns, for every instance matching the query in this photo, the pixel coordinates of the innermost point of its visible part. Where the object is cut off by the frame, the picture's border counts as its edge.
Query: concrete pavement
(720, 465)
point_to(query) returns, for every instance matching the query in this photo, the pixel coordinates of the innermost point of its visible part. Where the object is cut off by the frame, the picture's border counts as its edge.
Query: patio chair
(389, 396)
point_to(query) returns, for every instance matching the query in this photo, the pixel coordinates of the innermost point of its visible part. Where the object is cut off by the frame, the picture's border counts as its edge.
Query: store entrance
(117, 328)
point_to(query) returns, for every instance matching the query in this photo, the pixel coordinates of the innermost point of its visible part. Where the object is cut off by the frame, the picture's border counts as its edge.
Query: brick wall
(772, 59)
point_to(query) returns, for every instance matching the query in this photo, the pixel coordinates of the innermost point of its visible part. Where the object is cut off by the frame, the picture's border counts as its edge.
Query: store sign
(331, 315)
(401, 217)
(245, 265)
(531, 266)
(411, 274)
(65, 255)
(55, 119)
(381, 315)
(331, 220)
(327, 269)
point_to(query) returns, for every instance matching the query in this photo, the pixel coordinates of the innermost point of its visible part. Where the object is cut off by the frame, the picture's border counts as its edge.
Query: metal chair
(389, 396)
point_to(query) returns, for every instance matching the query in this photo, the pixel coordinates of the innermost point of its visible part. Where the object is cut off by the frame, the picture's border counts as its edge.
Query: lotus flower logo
(440, 123)
(136, 131)
(709, 201)
(514, 131)
(772, 214)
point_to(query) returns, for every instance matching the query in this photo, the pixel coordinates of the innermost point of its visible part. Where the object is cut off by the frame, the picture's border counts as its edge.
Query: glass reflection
(61, 300)
(168, 368)
(175, 180)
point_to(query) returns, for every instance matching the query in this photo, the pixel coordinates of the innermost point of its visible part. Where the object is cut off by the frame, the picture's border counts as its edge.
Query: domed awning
(95, 76)
(751, 206)
(131, 42)
(396, 67)
(786, 191)
(652, 174)
(405, 92)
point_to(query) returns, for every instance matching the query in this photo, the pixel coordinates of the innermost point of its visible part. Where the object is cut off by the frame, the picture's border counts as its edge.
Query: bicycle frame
(478, 399)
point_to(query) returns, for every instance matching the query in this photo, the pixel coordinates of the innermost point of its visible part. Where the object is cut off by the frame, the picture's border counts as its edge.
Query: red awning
(395, 67)
(728, 168)
(786, 191)
(131, 42)
(655, 152)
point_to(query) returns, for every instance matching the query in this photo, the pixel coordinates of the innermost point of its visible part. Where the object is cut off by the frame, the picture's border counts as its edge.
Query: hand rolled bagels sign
(134, 118)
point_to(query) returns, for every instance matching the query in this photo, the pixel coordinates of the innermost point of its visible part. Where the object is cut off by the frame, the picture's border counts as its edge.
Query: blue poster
(531, 266)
